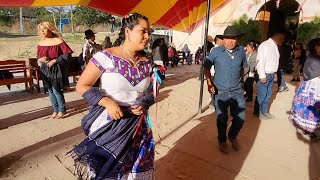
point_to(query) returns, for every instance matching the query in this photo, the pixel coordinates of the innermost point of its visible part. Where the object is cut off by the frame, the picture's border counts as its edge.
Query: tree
(247, 26)
(88, 16)
(42, 14)
(308, 30)
(8, 15)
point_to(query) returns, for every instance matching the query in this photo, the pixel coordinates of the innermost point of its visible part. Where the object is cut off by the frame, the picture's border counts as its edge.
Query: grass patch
(76, 38)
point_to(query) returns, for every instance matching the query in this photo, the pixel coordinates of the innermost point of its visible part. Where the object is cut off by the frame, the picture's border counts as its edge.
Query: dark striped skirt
(120, 149)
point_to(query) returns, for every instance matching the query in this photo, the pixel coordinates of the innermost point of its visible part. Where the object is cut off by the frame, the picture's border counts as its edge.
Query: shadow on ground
(196, 155)
(314, 156)
(8, 160)
(18, 96)
(10, 35)
(73, 107)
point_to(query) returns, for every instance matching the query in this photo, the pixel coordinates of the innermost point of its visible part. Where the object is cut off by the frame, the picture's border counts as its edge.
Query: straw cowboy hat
(231, 31)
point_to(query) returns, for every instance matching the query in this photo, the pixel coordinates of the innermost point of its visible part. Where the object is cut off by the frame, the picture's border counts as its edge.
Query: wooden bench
(72, 71)
(21, 74)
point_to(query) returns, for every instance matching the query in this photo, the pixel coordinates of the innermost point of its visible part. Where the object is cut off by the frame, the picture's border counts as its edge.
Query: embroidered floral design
(134, 75)
(97, 64)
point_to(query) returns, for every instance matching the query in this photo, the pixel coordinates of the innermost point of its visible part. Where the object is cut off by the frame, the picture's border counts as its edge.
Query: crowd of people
(120, 84)
(120, 81)
(54, 59)
(231, 71)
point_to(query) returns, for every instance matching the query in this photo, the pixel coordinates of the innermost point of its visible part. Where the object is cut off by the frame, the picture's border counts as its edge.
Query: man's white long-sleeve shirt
(267, 58)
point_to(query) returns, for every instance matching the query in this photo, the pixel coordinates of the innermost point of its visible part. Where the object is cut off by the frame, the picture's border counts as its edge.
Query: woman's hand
(137, 110)
(43, 59)
(52, 62)
(114, 110)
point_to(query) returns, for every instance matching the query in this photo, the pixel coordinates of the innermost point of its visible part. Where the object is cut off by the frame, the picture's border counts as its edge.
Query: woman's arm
(87, 79)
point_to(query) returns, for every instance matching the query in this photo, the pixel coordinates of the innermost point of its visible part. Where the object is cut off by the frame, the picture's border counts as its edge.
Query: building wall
(233, 10)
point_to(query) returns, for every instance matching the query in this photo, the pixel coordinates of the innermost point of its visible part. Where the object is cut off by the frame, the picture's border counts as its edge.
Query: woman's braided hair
(128, 21)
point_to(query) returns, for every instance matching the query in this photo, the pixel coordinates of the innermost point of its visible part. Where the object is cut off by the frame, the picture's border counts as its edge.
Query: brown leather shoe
(235, 145)
(223, 148)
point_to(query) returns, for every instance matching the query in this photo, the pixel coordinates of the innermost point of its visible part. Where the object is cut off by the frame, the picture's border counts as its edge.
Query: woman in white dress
(120, 144)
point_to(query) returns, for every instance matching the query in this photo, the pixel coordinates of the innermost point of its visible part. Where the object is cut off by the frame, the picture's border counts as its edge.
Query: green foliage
(88, 16)
(42, 14)
(309, 30)
(7, 16)
(81, 15)
(73, 38)
(247, 26)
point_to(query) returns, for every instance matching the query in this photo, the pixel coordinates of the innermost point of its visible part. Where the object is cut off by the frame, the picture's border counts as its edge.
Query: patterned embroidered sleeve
(101, 61)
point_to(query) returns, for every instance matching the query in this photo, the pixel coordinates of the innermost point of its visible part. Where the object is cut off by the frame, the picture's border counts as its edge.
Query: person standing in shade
(89, 47)
(217, 42)
(106, 43)
(299, 59)
(164, 52)
(112, 21)
(267, 67)
(53, 56)
(228, 60)
(285, 51)
(249, 72)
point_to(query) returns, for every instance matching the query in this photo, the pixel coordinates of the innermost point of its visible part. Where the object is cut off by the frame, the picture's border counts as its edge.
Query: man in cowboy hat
(228, 60)
(89, 47)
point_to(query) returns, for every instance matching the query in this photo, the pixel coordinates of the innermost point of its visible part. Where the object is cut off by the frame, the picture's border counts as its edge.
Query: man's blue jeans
(264, 92)
(236, 102)
(281, 81)
(57, 100)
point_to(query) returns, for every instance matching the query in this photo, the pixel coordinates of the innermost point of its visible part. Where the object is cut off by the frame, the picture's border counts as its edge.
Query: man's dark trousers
(236, 102)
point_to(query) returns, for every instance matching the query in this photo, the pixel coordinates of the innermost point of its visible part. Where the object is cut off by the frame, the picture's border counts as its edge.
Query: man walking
(228, 60)
(267, 66)
(112, 21)
(285, 51)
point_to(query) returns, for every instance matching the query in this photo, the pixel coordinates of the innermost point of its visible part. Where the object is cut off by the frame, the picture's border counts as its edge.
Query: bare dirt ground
(16, 46)
(34, 146)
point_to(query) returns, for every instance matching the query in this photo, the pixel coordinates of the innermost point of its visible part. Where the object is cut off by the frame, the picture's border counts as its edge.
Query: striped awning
(180, 15)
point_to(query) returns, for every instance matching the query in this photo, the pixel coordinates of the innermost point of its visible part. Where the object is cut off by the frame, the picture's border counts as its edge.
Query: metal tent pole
(204, 56)
(21, 21)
